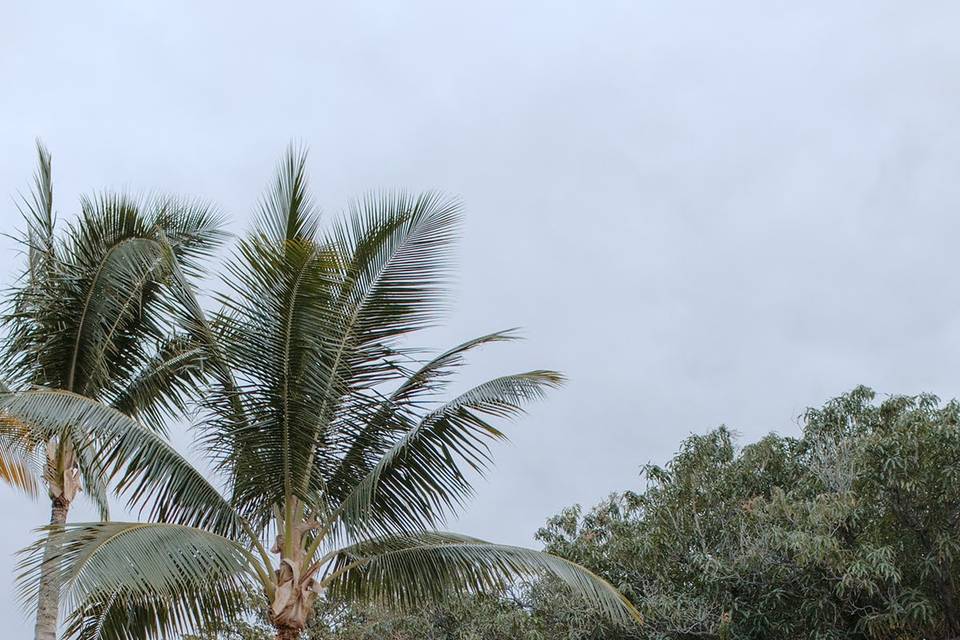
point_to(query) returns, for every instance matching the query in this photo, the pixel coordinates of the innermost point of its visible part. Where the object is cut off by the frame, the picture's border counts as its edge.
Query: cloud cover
(702, 212)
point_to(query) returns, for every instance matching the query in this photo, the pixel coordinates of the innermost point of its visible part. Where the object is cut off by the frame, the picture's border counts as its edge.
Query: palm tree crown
(87, 317)
(338, 457)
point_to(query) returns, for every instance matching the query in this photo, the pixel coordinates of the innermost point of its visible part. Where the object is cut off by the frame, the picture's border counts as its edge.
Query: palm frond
(146, 468)
(287, 212)
(112, 300)
(38, 214)
(426, 378)
(120, 616)
(192, 229)
(164, 384)
(419, 478)
(184, 308)
(394, 255)
(377, 432)
(162, 578)
(18, 474)
(397, 251)
(414, 570)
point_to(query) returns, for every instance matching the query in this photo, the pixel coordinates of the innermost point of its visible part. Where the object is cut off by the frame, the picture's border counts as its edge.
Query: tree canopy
(847, 531)
(334, 442)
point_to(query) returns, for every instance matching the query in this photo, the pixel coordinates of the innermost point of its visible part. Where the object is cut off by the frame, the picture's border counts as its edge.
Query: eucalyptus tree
(88, 318)
(334, 457)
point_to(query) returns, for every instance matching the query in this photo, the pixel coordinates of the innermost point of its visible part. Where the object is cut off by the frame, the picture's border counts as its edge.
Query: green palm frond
(398, 251)
(118, 616)
(37, 211)
(418, 479)
(377, 432)
(428, 378)
(287, 212)
(112, 301)
(414, 570)
(394, 264)
(193, 229)
(164, 384)
(145, 467)
(169, 578)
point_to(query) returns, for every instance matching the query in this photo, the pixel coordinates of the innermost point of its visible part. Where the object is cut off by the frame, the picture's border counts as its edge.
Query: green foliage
(470, 618)
(847, 532)
(474, 618)
(89, 316)
(327, 430)
(87, 330)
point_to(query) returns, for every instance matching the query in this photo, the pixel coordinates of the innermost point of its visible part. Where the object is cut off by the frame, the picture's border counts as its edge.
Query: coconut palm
(87, 318)
(333, 458)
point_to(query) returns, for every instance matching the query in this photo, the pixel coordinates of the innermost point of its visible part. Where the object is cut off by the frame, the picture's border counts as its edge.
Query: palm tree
(87, 317)
(337, 457)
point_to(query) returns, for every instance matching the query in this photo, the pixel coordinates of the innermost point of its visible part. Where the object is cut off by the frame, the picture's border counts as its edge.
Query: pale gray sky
(703, 212)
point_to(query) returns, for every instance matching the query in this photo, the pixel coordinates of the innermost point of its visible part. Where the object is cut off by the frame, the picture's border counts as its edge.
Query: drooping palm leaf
(120, 616)
(145, 467)
(119, 577)
(414, 570)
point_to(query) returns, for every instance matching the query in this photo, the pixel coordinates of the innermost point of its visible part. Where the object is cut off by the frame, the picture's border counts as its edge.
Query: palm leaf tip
(287, 211)
(194, 229)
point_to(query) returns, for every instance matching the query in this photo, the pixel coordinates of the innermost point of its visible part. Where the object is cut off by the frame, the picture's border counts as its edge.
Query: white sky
(702, 212)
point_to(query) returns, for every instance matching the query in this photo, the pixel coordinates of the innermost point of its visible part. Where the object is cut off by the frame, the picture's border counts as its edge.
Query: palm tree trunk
(48, 601)
(288, 633)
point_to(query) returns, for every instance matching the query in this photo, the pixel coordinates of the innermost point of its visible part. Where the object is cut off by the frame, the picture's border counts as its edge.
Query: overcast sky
(702, 212)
